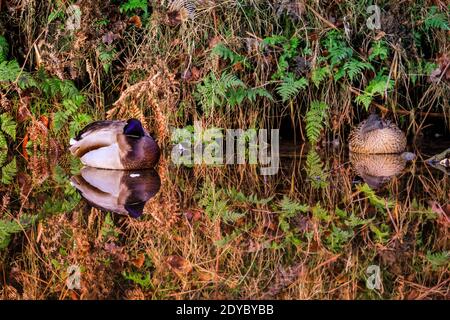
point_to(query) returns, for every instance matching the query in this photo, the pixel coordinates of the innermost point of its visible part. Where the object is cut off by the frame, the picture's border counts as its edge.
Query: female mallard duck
(375, 135)
(116, 145)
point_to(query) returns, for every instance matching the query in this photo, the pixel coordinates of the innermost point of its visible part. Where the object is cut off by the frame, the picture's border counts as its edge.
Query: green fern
(253, 93)
(133, 5)
(290, 208)
(436, 20)
(8, 228)
(338, 238)
(3, 142)
(315, 120)
(232, 216)
(8, 125)
(382, 233)
(374, 199)
(438, 259)
(70, 108)
(320, 213)
(338, 51)
(289, 50)
(354, 68)
(235, 96)
(78, 122)
(377, 86)
(4, 48)
(106, 57)
(225, 53)
(8, 172)
(212, 92)
(228, 238)
(143, 280)
(290, 87)
(3, 156)
(316, 170)
(9, 71)
(379, 50)
(339, 54)
(319, 74)
(56, 88)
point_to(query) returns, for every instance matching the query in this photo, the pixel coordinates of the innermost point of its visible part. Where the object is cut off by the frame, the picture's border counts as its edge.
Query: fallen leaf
(109, 37)
(136, 20)
(214, 41)
(205, 276)
(179, 264)
(74, 295)
(138, 262)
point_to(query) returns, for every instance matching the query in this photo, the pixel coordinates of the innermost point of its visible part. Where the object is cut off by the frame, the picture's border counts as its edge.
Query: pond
(327, 225)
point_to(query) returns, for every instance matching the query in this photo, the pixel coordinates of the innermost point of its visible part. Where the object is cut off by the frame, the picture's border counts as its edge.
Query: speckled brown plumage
(377, 136)
(377, 169)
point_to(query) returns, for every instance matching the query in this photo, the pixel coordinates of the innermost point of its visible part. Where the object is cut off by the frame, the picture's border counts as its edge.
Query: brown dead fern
(159, 92)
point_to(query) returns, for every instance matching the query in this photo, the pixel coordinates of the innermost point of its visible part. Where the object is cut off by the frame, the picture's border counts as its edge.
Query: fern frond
(290, 87)
(253, 93)
(315, 120)
(227, 54)
(70, 108)
(338, 50)
(8, 172)
(3, 156)
(9, 71)
(377, 86)
(3, 142)
(4, 48)
(380, 50)
(338, 54)
(132, 5)
(315, 170)
(214, 92)
(8, 125)
(436, 20)
(290, 207)
(355, 68)
(319, 74)
(231, 216)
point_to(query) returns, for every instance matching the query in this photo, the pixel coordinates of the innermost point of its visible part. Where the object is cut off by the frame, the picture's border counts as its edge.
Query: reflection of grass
(317, 243)
(307, 233)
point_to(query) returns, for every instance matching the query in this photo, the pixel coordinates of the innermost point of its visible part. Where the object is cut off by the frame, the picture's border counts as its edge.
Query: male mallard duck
(116, 145)
(119, 191)
(376, 135)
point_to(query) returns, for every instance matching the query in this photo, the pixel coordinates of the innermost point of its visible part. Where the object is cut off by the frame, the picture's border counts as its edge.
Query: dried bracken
(159, 93)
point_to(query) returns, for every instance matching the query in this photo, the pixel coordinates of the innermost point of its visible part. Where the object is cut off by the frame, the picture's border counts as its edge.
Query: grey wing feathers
(113, 125)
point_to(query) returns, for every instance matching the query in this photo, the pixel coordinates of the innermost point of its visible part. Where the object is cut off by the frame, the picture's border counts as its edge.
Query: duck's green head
(134, 128)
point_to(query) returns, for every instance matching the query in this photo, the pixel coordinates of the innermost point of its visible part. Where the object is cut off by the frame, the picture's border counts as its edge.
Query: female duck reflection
(124, 192)
(378, 169)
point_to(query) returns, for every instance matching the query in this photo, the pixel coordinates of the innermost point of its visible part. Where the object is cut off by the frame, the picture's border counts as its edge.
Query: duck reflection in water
(124, 192)
(377, 169)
